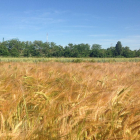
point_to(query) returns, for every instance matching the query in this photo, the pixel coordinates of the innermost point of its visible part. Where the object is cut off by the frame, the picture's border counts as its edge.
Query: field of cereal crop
(69, 101)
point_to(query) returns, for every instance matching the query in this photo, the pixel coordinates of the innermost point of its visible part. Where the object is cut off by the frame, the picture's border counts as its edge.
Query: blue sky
(102, 22)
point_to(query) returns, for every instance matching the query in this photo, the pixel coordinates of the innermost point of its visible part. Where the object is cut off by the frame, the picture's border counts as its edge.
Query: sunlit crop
(69, 101)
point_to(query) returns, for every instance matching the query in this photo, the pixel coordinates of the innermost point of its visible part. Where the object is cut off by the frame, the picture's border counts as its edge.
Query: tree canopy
(16, 48)
(118, 48)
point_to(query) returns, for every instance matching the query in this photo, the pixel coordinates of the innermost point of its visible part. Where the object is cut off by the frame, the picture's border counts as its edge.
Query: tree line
(16, 48)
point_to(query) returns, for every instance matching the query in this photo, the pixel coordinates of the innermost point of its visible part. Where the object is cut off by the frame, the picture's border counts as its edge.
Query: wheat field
(69, 101)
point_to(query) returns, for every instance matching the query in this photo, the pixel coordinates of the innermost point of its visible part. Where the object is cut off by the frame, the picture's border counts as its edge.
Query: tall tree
(118, 48)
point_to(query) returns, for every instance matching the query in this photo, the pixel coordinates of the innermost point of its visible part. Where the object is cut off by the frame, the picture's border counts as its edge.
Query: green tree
(3, 51)
(83, 50)
(14, 52)
(126, 52)
(34, 51)
(110, 52)
(96, 47)
(26, 52)
(38, 46)
(138, 53)
(102, 53)
(46, 49)
(67, 52)
(73, 50)
(118, 48)
(95, 50)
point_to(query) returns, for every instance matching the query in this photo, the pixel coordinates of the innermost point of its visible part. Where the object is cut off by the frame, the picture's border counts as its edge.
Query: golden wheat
(69, 101)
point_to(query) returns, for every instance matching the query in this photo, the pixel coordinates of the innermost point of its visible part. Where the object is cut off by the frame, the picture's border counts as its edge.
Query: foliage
(118, 48)
(37, 48)
(96, 47)
(3, 51)
(14, 52)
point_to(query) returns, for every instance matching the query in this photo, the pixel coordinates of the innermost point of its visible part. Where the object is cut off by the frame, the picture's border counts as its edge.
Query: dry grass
(69, 101)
